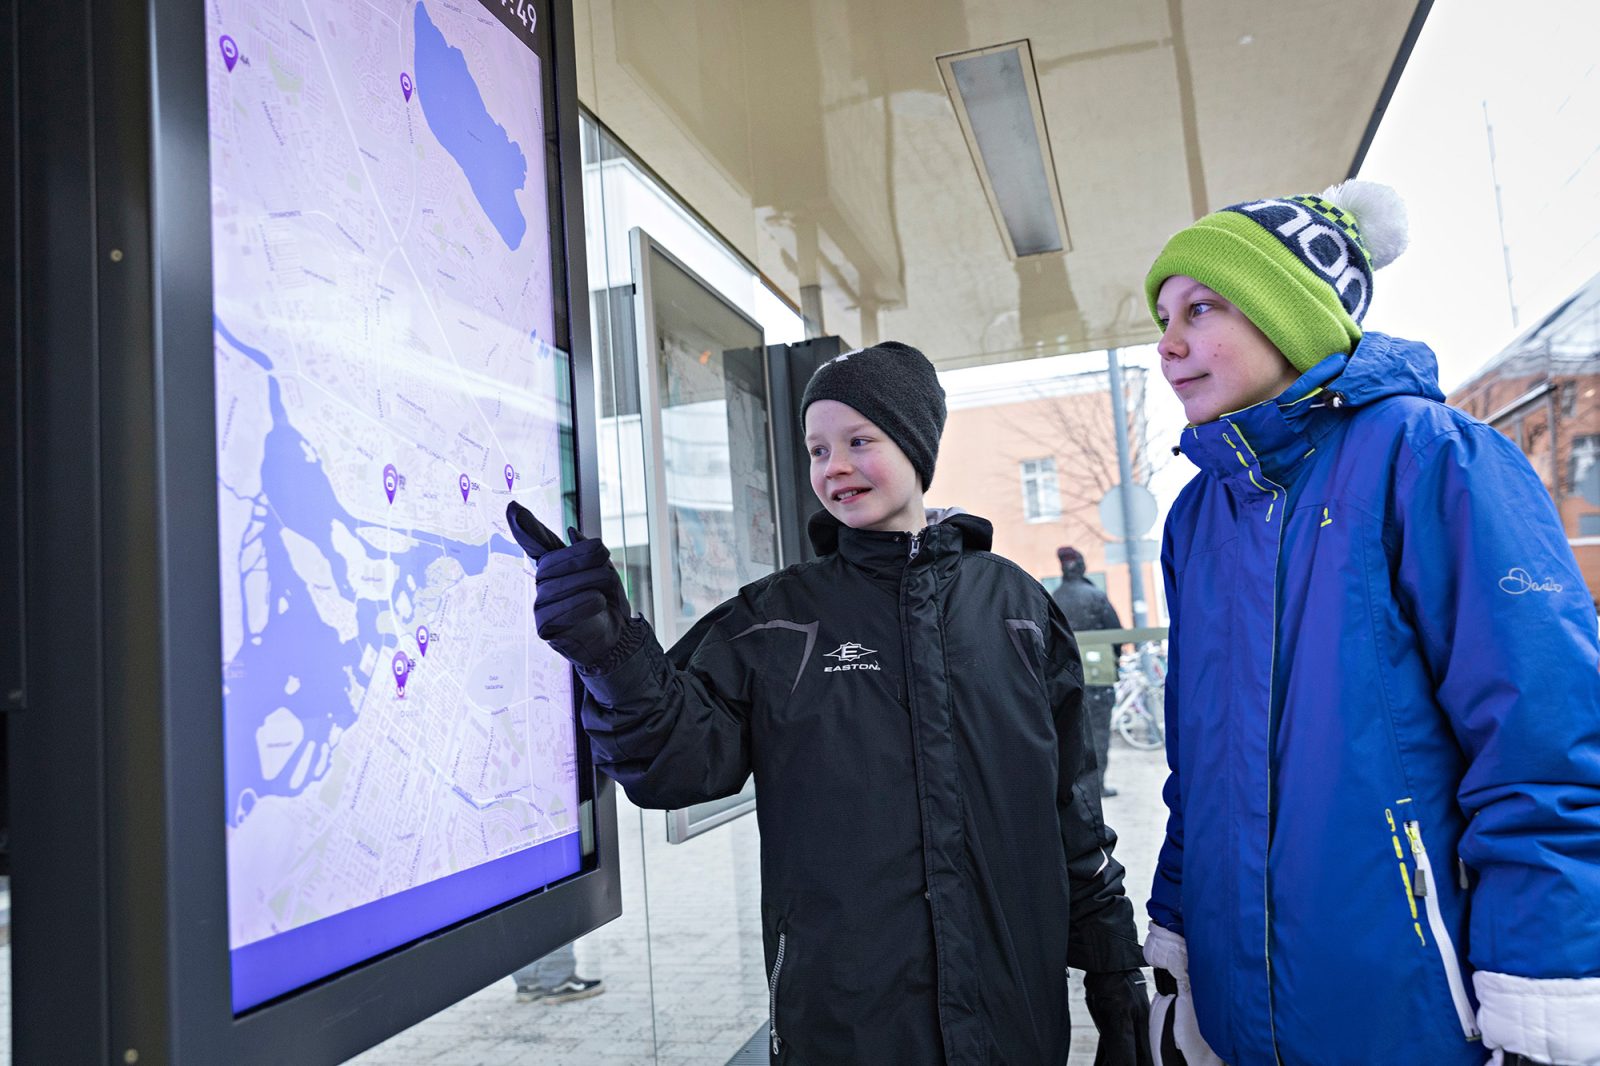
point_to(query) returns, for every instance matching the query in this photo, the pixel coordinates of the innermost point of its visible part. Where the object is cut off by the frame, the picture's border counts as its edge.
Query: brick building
(1035, 457)
(1543, 392)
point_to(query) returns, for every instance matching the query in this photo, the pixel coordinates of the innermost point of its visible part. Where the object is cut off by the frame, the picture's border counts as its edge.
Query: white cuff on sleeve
(1552, 1019)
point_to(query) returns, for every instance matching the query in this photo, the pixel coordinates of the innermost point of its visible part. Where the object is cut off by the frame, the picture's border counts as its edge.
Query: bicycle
(1138, 715)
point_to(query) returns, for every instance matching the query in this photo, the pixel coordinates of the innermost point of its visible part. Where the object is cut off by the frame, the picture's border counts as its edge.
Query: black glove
(1120, 1007)
(579, 607)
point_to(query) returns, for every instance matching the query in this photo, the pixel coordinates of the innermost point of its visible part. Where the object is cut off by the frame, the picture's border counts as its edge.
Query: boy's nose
(1171, 345)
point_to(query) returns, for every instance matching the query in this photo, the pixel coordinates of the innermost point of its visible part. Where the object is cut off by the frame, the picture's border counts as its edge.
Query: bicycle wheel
(1140, 728)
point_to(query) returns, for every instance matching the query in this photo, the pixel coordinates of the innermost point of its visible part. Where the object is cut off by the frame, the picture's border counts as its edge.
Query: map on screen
(400, 751)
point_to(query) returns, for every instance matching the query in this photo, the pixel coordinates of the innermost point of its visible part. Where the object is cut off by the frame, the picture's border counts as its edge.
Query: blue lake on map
(296, 642)
(453, 105)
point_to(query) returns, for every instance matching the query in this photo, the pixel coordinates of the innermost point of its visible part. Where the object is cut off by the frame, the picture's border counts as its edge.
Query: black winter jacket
(932, 850)
(1084, 605)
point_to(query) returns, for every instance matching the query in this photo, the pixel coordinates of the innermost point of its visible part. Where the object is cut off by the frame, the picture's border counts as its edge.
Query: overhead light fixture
(996, 96)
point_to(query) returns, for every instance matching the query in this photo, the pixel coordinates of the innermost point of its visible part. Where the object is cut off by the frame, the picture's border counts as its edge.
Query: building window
(1583, 469)
(1041, 500)
(1589, 525)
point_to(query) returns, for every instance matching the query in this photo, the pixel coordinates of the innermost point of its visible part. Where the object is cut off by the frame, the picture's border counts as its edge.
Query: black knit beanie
(896, 388)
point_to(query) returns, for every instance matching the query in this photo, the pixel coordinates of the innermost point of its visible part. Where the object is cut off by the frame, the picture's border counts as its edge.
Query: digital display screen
(401, 751)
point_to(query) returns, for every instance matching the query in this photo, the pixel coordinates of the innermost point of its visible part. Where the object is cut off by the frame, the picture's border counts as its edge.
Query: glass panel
(707, 968)
(620, 444)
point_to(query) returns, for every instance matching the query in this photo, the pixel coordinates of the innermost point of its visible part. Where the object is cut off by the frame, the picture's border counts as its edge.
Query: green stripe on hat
(1234, 256)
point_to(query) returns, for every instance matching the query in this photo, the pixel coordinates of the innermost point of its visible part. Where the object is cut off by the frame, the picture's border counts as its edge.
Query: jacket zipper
(1426, 887)
(916, 744)
(1272, 670)
(772, 996)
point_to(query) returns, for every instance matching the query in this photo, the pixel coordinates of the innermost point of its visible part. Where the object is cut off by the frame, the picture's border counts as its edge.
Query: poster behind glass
(711, 387)
(711, 381)
(400, 755)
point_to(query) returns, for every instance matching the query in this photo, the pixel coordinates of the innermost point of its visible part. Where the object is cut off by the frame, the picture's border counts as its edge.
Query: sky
(1534, 66)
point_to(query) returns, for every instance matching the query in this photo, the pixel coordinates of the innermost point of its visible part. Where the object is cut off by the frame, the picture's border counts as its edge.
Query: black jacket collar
(885, 554)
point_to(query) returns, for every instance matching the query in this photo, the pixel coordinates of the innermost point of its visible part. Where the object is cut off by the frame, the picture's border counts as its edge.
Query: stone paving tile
(491, 1050)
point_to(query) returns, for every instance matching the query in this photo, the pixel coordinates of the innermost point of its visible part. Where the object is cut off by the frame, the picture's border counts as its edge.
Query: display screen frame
(341, 1014)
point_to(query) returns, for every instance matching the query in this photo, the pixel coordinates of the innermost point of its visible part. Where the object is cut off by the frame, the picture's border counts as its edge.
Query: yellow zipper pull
(1415, 836)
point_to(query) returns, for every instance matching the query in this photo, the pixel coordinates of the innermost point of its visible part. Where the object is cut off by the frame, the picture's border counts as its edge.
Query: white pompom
(1379, 212)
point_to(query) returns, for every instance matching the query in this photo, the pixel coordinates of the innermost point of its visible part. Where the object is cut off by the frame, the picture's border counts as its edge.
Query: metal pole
(1119, 426)
(811, 310)
(1500, 217)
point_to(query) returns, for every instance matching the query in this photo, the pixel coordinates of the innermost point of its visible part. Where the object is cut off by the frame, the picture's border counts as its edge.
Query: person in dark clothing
(1086, 607)
(933, 855)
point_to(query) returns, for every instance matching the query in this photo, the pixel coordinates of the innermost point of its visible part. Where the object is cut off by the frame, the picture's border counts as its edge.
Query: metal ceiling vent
(996, 95)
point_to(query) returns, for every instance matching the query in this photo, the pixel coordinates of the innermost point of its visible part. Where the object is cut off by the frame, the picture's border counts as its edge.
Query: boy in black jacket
(933, 853)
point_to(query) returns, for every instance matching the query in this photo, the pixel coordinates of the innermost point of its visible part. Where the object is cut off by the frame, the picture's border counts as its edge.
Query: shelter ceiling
(816, 137)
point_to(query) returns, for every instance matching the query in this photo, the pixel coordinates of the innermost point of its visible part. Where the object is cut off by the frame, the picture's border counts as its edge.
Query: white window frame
(1041, 493)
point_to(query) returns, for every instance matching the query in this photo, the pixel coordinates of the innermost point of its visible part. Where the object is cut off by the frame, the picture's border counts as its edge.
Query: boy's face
(860, 475)
(1215, 358)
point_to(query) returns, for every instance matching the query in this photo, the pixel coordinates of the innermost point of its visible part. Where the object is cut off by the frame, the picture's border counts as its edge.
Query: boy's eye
(816, 451)
(1199, 307)
(858, 442)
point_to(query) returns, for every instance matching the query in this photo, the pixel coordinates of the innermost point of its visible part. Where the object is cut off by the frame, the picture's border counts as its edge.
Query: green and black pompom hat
(1299, 267)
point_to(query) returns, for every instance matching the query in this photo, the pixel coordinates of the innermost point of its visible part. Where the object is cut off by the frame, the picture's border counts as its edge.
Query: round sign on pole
(1141, 509)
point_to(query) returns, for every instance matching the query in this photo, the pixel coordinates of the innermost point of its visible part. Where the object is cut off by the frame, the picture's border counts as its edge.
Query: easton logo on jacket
(849, 653)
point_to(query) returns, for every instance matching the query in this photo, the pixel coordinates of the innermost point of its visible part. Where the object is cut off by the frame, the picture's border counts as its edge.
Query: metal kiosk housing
(120, 942)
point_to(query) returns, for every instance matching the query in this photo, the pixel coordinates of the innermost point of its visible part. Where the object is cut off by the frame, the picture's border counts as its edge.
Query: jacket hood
(976, 534)
(1277, 434)
(1383, 366)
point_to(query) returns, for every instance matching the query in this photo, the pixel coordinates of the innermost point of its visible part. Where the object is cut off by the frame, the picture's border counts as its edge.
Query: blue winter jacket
(1383, 715)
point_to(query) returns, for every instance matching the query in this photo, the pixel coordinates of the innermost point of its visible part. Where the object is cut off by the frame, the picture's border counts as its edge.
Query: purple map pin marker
(422, 640)
(230, 53)
(511, 475)
(402, 670)
(405, 84)
(391, 480)
(466, 487)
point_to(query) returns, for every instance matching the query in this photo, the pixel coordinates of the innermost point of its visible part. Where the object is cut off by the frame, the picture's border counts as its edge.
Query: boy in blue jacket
(1383, 708)
(933, 855)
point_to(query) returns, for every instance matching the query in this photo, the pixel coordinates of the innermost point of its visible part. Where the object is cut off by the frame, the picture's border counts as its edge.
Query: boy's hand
(579, 607)
(531, 534)
(1120, 1007)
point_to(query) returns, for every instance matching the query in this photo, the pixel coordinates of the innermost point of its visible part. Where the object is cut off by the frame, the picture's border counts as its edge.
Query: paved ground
(691, 920)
